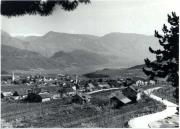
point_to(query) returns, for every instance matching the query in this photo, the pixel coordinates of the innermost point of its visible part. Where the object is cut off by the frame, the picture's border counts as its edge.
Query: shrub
(15, 93)
(100, 101)
(67, 100)
(33, 98)
(2, 96)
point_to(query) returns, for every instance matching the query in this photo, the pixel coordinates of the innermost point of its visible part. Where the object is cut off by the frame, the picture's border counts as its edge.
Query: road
(96, 91)
(144, 121)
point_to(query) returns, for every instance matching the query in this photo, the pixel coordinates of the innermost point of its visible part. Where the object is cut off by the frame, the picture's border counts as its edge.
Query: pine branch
(19, 8)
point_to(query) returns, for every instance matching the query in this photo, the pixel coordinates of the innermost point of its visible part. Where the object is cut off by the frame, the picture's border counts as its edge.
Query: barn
(81, 98)
(117, 99)
(131, 93)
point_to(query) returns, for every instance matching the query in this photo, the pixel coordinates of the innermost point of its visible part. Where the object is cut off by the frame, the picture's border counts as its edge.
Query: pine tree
(166, 64)
(41, 7)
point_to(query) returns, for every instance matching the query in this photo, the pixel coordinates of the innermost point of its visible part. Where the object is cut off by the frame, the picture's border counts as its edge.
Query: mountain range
(56, 50)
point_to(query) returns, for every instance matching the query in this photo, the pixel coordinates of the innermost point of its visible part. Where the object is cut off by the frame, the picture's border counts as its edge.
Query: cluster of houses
(145, 82)
(28, 80)
(36, 95)
(60, 79)
(10, 96)
(77, 88)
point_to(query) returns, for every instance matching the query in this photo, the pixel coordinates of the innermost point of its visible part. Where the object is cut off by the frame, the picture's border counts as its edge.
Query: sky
(98, 18)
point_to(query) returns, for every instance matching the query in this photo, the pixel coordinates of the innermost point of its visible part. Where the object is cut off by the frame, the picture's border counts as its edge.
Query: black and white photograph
(89, 63)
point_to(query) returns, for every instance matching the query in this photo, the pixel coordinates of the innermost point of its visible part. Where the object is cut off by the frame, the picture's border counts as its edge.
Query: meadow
(166, 92)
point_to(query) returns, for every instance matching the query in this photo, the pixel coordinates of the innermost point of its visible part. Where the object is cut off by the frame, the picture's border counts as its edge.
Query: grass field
(75, 115)
(166, 93)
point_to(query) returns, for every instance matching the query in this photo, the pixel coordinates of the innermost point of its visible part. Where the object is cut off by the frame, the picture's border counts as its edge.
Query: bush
(67, 100)
(100, 101)
(33, 98)
(15, 93)
(2, 96)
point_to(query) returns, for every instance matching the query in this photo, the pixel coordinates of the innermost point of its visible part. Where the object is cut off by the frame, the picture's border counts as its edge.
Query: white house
(46, 99)
(45, 96)
(16, 97)
(138, 96)
(152, 82)
(56, 96)
(104, 86)
(7, 94)
(74, 88)
(145, 83)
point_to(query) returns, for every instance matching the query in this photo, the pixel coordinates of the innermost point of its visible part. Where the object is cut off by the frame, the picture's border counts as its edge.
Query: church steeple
(13, 77)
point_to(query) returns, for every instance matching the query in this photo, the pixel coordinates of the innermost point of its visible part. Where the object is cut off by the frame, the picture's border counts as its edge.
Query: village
(65, 86)
(101, 95)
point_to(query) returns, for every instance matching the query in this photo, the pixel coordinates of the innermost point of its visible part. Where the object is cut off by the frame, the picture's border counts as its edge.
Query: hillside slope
(135, 71)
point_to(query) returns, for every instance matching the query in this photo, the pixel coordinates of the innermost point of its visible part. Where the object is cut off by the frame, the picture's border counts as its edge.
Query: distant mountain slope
(6, 39)
(53, 42)
(122, 49)
(18, 59)
(137, 67)
(131, 49)
(79, 58)
(14, 58)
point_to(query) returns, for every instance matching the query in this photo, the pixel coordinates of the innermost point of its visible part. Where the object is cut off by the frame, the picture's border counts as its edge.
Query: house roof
(130, 92)
(45, 95)
(119, 95)
(104, 85)
(133, 88)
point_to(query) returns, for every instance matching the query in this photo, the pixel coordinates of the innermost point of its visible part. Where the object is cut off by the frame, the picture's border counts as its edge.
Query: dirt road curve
(143, 121)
